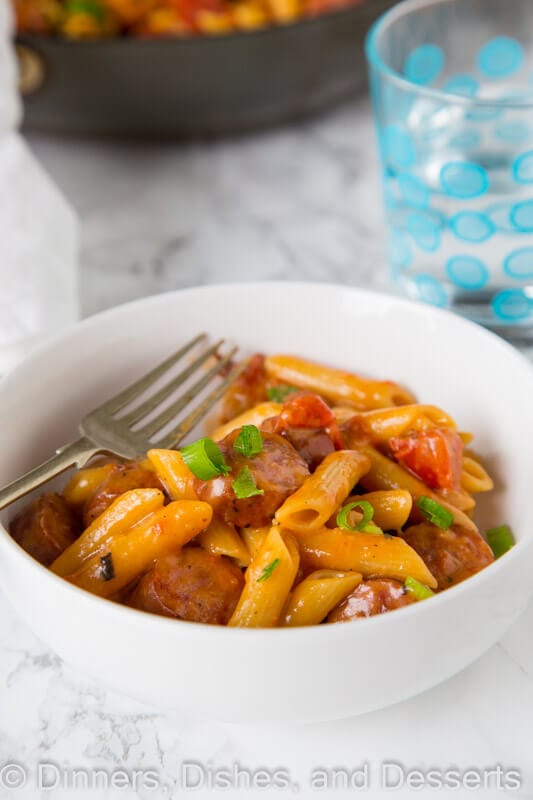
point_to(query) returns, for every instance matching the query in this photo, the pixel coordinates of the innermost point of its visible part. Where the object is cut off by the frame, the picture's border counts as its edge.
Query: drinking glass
(452, 91)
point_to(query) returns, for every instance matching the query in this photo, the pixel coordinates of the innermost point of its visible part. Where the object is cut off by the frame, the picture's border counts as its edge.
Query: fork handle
(78, 453)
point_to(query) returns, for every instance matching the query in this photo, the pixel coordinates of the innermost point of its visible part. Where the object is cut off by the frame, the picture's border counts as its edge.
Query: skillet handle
(31, 69)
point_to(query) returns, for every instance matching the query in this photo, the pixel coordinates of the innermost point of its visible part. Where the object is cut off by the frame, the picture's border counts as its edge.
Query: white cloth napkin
(38, 231)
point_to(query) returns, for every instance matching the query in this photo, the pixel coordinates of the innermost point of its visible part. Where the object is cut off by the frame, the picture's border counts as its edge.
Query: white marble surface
(300, 203)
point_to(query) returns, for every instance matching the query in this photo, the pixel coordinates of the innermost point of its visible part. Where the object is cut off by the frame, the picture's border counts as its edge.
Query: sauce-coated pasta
(331, 497)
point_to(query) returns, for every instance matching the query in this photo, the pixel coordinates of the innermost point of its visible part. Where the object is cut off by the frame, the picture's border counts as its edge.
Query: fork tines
(139, 420)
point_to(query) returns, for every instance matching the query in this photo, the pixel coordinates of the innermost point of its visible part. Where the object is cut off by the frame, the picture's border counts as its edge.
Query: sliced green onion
(244, 485)
(278, 394)
(204, 459)
(367, 512)
(89, 7)
(419, 590)
(435, 513)
(249, 442)
(371, 528)
(108, 569)
(267, 572)
(500, 539)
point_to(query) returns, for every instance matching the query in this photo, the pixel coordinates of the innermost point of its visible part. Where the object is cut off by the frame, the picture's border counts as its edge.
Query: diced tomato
(434, 455)
(306, 410)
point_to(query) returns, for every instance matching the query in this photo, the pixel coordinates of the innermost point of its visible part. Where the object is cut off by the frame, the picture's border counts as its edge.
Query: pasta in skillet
(321, 496)
(103, 19)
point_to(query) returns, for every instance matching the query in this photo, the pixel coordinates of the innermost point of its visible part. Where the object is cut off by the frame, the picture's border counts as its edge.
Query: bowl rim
(201, 629)
(401, 82)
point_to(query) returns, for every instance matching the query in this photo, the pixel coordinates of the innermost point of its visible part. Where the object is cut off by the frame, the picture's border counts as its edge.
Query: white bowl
(304, 674)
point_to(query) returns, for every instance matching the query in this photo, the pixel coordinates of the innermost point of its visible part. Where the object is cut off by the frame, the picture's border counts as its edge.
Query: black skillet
(197, 87)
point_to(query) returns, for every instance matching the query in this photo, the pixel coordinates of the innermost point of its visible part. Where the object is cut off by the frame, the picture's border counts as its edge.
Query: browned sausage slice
(371, 597)
(45, 528)
(249, 389)
(313, 445)
(451, 555)
(122, 478)
(191, 585)
(278, 470)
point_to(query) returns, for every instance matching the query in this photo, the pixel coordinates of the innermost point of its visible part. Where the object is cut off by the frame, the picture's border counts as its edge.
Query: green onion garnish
(278, 394)
(435, 513)
(204, 459)
(500, 539)
(363, 524)
(244, 485)
(267, 572)
(89, 7)
(371, 528)
(108, 569)
(419, 590)
(249, 442)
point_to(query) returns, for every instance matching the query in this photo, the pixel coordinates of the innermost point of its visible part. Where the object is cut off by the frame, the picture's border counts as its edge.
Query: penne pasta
(457, 498)
(268, 581)
(146, 464)
(221, 539)
(84, 484)
(387, 474)
(367, 553)
(386, 423)
(474, 477)
(391, 508)
(125, 512)
(310, 507)
(127, 557)
(311, 600)
(173, 473)
(138, 20)
(337, 386)
(254, 538)
(256, 504)
(343, 413)
(253, 416)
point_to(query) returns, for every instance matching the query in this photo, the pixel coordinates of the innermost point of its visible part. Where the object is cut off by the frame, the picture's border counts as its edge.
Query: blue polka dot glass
(452, 92)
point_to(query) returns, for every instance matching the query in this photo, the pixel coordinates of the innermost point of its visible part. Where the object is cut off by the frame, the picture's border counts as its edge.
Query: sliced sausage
(451, 555)
(45, 528)
(371, 597)
(249, 389)
(191, 585)
(278, 470)
(312, 444)
(310, 426)
(122, 478)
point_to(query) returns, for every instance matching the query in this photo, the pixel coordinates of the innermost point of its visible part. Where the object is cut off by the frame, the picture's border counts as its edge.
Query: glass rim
(400, 81)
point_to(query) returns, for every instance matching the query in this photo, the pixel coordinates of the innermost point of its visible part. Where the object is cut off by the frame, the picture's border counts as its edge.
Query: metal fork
(130, 436)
